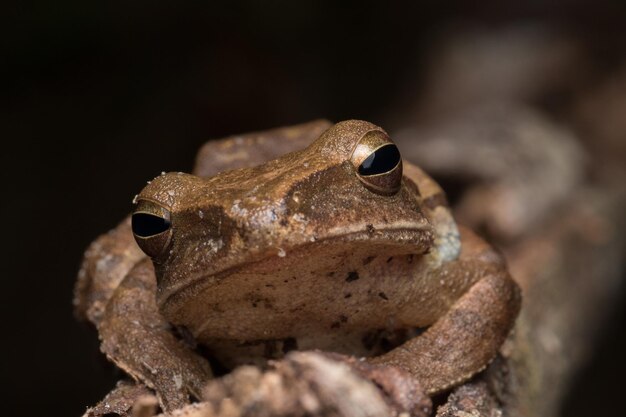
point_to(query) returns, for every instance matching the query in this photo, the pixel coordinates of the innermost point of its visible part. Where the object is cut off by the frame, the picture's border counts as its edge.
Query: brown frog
(314, 236)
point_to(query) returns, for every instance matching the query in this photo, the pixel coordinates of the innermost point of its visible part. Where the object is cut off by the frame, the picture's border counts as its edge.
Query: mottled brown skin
(296, 251)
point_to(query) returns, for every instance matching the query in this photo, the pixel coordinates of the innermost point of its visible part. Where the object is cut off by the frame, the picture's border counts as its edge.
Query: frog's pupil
(382, 160)
(146, 225)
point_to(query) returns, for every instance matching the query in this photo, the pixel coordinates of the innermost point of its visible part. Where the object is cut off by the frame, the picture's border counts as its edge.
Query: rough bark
(570, 274)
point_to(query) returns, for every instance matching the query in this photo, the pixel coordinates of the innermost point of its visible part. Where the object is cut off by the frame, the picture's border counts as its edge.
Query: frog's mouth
(336, 245)
(416, 234)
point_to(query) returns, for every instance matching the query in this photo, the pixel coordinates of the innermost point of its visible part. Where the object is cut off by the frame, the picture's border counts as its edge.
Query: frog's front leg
(116, 291)
(105, 264)
(465, 339)
(137, 339)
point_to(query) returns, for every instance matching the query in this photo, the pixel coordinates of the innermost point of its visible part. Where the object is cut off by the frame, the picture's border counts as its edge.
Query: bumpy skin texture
(298, 252)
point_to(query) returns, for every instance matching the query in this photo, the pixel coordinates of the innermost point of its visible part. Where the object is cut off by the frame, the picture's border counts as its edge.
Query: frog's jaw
(217, 259)
(309, 290)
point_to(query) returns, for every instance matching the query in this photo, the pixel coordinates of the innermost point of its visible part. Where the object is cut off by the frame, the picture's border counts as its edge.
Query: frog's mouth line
(420, 243)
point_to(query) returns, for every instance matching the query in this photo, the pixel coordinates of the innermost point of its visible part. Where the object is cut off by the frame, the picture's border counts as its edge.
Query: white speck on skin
(200, 214)
(299, 217)
(281, 252)
(178, 381)
(162, 172)
(236, 210)
(214, 245)
(103, 263)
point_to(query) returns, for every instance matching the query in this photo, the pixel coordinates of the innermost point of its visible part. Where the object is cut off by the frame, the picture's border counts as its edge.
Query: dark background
(100, 97)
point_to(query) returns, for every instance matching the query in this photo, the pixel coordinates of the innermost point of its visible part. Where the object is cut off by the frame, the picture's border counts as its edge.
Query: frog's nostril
(146, 224)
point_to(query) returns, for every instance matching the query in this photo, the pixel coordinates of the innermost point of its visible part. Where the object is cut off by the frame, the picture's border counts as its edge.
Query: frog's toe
(471, 399)
(123, 399)
(178, 386)
(401, 390)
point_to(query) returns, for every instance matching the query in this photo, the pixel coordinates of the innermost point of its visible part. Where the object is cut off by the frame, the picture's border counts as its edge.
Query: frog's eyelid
(139, 199)
(356, 144)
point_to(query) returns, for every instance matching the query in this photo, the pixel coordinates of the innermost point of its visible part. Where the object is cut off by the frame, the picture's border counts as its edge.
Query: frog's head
(308, 212)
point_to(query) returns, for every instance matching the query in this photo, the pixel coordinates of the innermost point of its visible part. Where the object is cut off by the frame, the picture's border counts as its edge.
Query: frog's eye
(152, 227)
(148, 225)
(378, 163)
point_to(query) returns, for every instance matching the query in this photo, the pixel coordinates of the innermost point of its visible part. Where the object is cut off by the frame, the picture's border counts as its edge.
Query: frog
(317, 236)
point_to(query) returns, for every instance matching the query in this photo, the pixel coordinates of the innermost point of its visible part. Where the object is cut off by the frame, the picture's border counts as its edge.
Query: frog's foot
(401, 390)
(139, 341)
(124, 400)
(315, 383)
(472, 399)
(464, 340)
